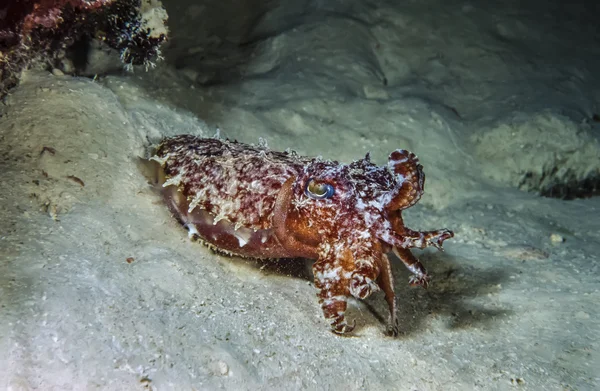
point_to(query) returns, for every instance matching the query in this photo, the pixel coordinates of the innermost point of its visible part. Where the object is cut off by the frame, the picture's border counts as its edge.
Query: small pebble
(57, 72)
(373, 92)
(556, 238)
(582, 315)
(223, 368)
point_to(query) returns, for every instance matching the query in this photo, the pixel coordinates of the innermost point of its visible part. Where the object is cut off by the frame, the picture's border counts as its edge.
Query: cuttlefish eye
(318, 190)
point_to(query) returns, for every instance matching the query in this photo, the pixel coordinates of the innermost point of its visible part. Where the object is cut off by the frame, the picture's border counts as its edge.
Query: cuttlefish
(250, 201)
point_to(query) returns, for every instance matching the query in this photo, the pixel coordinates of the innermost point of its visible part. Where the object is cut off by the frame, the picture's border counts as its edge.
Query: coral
(40, 32)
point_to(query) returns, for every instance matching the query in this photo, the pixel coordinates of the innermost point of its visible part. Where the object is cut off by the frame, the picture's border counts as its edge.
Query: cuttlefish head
(348, 217)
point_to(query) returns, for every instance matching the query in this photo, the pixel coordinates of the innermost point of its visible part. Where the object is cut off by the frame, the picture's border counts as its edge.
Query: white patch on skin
(243, 235)
(339, 247)
(233, 188)
(334, 299)
(256, 185)
(325, 248)
(219, 217)
(379, 205)
(175, 180)
(160, 160)
(363, 262)
(195, 201)
(259, 205)
(363, 282)
(192, 230)
(386, 237)
(393, 162)
(364, 235)
(360, 205)
(329, 274)
(302, 202)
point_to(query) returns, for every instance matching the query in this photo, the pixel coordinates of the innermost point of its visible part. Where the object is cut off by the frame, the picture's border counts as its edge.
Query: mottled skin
(254, 202)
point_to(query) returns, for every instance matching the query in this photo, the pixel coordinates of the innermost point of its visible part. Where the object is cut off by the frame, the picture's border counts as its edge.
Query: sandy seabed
(101, 289)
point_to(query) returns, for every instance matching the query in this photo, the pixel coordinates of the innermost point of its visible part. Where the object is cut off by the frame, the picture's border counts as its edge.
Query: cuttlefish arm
(332, 281)
(407, 238)
(404, 165)
(419, 274)
(336, 284)
(339, 275)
